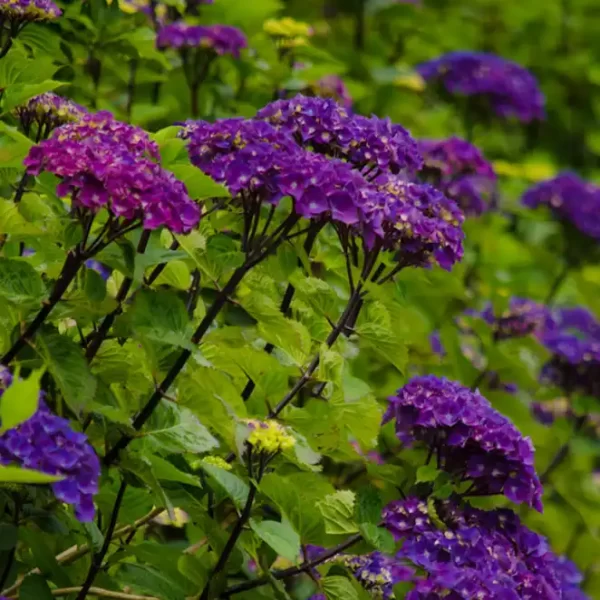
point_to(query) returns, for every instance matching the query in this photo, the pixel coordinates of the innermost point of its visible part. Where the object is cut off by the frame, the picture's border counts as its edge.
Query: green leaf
(381, 539)
(20, 283)
(20, 400)
(94, 535)
(368, 505)
(337, 587)
(199, 185)
(95, 286)
(9, 534)
(18, 475)
(180, 432)
(164, 470)
(280, 536)
(231, 484)
(427, 473)
(34, 587)
(19, 93)
(338, 511)
(385, 342)
(160, 316)
(68, 367)
(150, 581)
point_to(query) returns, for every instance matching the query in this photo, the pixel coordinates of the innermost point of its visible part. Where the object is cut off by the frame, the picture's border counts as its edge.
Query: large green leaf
(338, 511)
(199, 185)
(9, 474)
(20, 283)
(337, 587)
(280, 536)
(20, 400)
(231, 484)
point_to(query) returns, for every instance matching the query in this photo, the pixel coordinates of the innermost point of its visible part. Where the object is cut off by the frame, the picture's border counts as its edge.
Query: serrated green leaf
(20, 400)
(426, 473)
(280, 536)
(338, 511)
(144, 579)
(199, 185)
(368, 505)
(381, 539)
(164, 470)
(337, 587)
(20, 283)
(231, 484)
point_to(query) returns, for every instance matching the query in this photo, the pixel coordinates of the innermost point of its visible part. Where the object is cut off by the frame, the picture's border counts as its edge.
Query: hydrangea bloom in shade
(29, 10)
(269, 436)
(48, 111)
(322, 125)
(466, 553)
(377, 572)
(333, 86)
(511, 90)
(105, 164)
(459, 169)
(573, 338)
(47, 443)
(470, 439)
(522, 318)
(570, 198)
(221, 39)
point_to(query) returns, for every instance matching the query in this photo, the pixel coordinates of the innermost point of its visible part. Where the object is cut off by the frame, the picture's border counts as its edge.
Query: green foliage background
(105, 58)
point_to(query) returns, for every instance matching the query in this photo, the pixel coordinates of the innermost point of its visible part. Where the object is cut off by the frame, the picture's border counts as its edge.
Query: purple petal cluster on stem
(48, 111)
(220, 39)
(47, 443)
(468, 437)
(511, 90)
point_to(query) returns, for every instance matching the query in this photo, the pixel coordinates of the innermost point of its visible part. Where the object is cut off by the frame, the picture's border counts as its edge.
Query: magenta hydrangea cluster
(511, 90)
(521, 318)
(570, 198)
(469, 438)
(257, 161)
(221, 39)
(103, 163)
(464, 553)
(47, 443)
(572, 335)
(321, 125)
(460, 170)
(333, 86)
(19, 11)
(47, 112)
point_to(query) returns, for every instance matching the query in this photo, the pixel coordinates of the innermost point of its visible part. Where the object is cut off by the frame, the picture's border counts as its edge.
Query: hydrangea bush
(299, 300)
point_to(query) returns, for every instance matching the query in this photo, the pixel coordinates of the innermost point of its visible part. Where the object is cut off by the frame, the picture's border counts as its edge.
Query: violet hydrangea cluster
(47, 112)
(260, 163)
(572, 335)
(47, 443)
(321, 125)
(470, 439)
(333, 86)
(460, 170)
(570, 198)
(103, 163)
(511, 90)
(521, 318)
(221, 39)
(23, 11)
(464, 553)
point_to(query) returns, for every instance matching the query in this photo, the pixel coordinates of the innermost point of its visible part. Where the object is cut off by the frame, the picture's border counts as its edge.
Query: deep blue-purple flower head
(470, 439)
(320, 124)
(48, 111)
(571, 198)
(19, 11)
(103, 163)
(465, 553)
(521, 318)
(511, 90)
(459, 169)
(47, 443)
(220, 39)
(573, 338)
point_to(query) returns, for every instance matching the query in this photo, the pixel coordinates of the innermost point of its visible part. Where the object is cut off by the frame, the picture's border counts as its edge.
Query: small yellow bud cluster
(288, 32)
(269, 436)
(217, 461)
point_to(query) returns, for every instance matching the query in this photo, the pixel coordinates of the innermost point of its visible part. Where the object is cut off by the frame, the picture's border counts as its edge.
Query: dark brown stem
(192, 300)
(11, 554)
(292, 571)
(98, 558)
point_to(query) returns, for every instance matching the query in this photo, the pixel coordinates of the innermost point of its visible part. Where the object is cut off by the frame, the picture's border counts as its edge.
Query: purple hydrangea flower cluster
(570, 198)
(523, 317)
(573, 337)
(257, 161)
(19, 11)
(47, 443)
(420, 222)
(468, 553)
(459, 169)
(321, 125)
(103, 163)
(511, 89)
(48, 111)
(470, 439)
(221, 39)
(333, 86)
